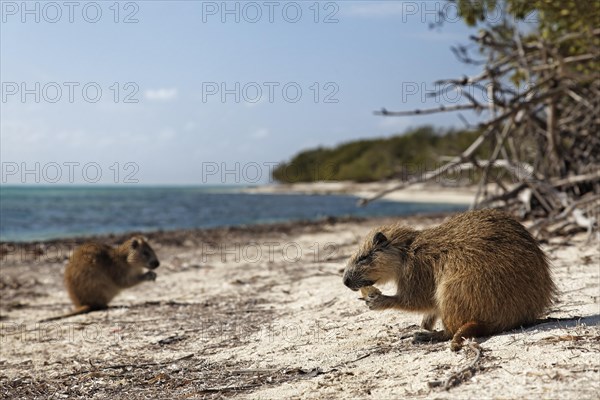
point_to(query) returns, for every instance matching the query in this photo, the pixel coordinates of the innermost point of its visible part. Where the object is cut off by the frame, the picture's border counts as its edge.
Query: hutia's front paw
(150, 276)
(375, 301)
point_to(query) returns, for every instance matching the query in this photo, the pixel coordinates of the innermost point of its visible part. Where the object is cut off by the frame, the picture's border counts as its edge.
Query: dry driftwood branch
(464, 373)
(573, 180)
(121, 366)
(545, 133)
(442, 108)
(457, 377)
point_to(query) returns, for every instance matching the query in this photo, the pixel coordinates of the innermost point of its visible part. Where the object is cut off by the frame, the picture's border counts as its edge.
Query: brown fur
(96, 273)
(480, 272)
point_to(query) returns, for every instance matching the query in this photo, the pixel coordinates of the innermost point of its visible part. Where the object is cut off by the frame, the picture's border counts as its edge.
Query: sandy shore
(261, 313)
(419, 193)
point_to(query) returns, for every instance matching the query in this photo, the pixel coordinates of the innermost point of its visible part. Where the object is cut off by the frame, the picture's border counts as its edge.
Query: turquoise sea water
(38, 213)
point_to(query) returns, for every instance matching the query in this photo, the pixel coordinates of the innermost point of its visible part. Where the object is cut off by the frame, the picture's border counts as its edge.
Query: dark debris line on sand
(186, 237)
(184, 379)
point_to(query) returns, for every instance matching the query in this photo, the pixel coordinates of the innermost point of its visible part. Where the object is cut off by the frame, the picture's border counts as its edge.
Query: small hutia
(96, 273)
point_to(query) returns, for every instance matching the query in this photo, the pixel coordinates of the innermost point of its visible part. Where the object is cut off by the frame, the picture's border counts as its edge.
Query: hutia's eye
(362, 259)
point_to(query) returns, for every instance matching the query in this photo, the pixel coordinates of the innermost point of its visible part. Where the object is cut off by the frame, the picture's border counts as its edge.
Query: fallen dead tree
(543, 135)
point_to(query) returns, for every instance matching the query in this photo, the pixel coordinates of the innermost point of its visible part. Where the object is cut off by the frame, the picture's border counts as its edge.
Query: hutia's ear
(379, 239)
(134, 244)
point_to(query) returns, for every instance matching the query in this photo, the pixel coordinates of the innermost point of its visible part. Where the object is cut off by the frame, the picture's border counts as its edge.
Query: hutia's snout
(348, 282)
(347, 279)
(355, 282)
(154, 264)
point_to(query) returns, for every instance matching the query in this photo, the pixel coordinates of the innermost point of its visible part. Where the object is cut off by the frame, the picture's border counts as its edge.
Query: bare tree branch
(542, 107)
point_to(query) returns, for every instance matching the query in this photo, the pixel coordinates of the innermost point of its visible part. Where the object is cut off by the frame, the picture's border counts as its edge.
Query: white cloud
(260, 133)
(18, 132)
(161, 94)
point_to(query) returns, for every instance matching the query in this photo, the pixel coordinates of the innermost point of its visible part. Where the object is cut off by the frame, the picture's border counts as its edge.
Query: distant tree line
(396, 157)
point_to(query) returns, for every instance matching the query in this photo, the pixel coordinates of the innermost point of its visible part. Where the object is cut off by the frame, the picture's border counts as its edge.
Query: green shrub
(395, 157)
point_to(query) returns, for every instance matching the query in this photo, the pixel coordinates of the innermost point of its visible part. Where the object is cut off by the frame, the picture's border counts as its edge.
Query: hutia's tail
(77, 311)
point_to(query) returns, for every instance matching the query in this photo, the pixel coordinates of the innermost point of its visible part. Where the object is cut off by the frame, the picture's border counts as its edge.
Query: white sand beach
(261, 313)
(419, 193)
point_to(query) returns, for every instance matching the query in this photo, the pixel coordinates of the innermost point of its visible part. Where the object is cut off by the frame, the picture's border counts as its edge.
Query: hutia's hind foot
(430, 337)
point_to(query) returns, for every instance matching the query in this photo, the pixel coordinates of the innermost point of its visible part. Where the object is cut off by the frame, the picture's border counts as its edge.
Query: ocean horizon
(35, 213)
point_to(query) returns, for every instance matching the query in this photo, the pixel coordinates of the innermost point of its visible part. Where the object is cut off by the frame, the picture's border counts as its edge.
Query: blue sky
(176, 59)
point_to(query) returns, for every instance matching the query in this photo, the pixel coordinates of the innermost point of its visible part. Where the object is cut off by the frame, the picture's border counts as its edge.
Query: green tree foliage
(555, 19)
(397, 157)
